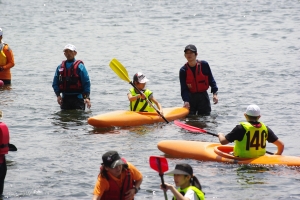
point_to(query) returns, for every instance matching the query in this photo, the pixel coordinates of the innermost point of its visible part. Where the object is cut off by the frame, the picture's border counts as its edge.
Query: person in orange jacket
(6, 61)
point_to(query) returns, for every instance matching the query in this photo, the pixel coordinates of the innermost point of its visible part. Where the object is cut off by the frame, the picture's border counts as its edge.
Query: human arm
(133, 98)
(157, 104)
(236, 134)
(130, 193)
(101, 186)
(272, 138)
(10, 58)
(138, 179)
(280, 147)
(215, 98)
(222, 139)
(183, 87)
(55, 85)
(175, 192)
(207, 71)
(86, 84)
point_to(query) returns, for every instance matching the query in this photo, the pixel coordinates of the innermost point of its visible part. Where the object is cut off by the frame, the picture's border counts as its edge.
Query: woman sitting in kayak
(138, 101)
(189, 186)
(250, 137)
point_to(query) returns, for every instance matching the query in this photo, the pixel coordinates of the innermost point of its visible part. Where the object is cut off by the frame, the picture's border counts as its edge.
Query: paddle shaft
(164, 186)
(149, 102)
(161, 177)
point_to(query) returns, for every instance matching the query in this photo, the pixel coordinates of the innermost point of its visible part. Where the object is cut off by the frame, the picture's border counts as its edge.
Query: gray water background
(251, 46)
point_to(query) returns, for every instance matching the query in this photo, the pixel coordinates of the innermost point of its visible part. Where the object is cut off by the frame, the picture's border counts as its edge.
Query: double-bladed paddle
(160, 164)
(121, 71)
(199, 130)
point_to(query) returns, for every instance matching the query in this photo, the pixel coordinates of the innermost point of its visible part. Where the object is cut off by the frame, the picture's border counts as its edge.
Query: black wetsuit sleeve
(236, 134)
(207, 71)
(271, 136)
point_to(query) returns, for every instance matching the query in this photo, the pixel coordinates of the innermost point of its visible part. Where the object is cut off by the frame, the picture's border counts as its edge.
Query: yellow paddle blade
(1, 114)
(119, 69)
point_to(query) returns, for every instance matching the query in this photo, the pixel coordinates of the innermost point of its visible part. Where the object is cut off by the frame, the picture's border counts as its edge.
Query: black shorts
(71, 102)
(199, 104)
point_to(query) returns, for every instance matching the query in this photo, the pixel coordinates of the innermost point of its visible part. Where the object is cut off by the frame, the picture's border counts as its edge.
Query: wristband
(136, 190)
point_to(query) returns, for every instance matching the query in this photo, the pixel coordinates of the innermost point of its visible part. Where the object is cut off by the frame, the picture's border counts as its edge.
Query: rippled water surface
(251, 46)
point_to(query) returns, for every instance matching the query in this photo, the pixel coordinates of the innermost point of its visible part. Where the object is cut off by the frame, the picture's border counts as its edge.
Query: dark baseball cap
(190, 47)
(112, 159)
(184, 169)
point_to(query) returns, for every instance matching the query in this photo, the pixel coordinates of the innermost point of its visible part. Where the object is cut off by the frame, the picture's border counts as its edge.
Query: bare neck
(192, 63)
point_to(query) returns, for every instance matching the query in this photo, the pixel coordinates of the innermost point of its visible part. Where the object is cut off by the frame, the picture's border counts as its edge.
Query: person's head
(113, 163)
(140, 80)
(70, 51)
(252, 113)
(190, 52)
(184, 177)
(1, 34)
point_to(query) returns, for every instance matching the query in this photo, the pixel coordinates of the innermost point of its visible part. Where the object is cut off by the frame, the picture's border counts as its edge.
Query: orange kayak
(130, 118)
(207, 151)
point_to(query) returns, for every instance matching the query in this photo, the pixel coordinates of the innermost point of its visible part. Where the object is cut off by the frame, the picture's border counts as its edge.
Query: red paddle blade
(188, 127)
(159, 164)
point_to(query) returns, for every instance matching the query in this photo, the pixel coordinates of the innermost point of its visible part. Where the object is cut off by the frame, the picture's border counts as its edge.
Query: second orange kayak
(206, 151)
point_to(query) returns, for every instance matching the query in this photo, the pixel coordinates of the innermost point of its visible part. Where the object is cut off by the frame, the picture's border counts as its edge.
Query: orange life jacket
(69, 80)
(4, 138)
(197, 83)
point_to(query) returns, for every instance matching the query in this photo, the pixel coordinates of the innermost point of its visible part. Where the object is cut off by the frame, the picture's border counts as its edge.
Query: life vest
(114, 192)
(198, 82)
(3, 59)
(4, 138)
(141, 105)
(254, 141)
(198, 192)
(69, 80)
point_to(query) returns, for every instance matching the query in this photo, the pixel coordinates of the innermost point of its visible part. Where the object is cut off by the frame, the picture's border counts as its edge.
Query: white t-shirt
(191, 195)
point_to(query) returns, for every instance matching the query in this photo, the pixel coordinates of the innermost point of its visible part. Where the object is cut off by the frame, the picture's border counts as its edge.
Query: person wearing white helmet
(250, 137)
(71, 79)
(6, 60)
(137, 101)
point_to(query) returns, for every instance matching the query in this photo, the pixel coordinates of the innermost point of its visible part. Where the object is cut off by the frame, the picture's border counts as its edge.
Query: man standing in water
(195, 78)
(72, 80)
(6, 61)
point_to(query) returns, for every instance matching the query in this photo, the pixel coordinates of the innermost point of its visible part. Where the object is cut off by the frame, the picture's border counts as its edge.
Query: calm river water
(251, 46)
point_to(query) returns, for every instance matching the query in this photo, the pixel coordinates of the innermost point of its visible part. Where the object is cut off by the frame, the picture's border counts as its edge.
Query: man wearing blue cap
(195, 78)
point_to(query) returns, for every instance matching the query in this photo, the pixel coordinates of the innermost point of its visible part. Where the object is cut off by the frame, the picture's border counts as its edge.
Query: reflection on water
(140, 130)
(251, 174)
(70, 118)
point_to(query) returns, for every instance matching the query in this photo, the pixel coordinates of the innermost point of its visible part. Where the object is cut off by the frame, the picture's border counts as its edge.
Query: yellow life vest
(254, 141)
(3, 59)
(141, 105)
(198, 192)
